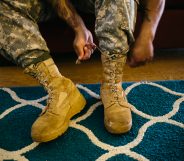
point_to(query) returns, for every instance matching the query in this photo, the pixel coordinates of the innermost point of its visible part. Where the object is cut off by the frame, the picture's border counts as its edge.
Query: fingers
(88, 50)
(80, 52)
(150, 59)
(136, 63)
(89, 47)
(87, 53)
(84, 46)
(90, 38)
(84, 53)
(138, 58)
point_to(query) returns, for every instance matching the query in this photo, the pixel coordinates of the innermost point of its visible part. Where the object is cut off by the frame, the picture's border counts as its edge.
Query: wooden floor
(166, 66)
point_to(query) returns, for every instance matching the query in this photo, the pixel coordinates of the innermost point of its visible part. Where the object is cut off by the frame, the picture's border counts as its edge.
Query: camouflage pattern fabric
(115, 22)
(21, 41)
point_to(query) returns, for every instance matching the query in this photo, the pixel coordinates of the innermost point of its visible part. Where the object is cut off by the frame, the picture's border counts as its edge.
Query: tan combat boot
(64, 101)
(117, 114)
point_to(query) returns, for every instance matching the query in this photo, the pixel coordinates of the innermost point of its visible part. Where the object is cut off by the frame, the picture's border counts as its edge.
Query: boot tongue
(51, 67)
(53, 70)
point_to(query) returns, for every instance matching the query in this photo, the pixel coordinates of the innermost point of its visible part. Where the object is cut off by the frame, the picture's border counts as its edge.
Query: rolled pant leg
(115, 21)
(20, 39)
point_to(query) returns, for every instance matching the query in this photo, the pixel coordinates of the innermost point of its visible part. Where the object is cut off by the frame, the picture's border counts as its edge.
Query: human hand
(83, 44)
(140, 53)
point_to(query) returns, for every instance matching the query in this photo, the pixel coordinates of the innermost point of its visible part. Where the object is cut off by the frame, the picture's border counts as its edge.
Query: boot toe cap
(118, 127)
(38, 133)
(118, 122)
(41, 130)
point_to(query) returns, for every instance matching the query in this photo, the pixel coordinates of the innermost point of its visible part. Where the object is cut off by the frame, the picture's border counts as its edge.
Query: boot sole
(77, 103)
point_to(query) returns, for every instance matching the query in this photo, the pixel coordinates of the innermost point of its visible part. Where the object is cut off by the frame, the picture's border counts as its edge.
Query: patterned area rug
(157, 132)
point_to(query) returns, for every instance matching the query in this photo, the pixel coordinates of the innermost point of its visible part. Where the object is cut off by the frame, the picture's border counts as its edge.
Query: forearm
(67, 12)
(153, 10)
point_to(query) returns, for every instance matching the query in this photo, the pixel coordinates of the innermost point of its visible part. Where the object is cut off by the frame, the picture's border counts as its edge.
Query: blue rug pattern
(157, 132)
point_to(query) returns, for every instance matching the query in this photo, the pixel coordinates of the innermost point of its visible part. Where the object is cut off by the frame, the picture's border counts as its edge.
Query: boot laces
(116, 92)
(44, 80)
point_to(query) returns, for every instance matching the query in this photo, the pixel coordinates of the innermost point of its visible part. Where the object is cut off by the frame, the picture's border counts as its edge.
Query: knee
(112, 39)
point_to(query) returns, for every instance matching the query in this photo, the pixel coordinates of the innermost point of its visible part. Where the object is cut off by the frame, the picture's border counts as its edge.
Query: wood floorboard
(166, 66)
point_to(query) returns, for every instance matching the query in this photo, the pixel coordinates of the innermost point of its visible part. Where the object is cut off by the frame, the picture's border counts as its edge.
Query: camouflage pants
(115, 22)
(21, 41)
